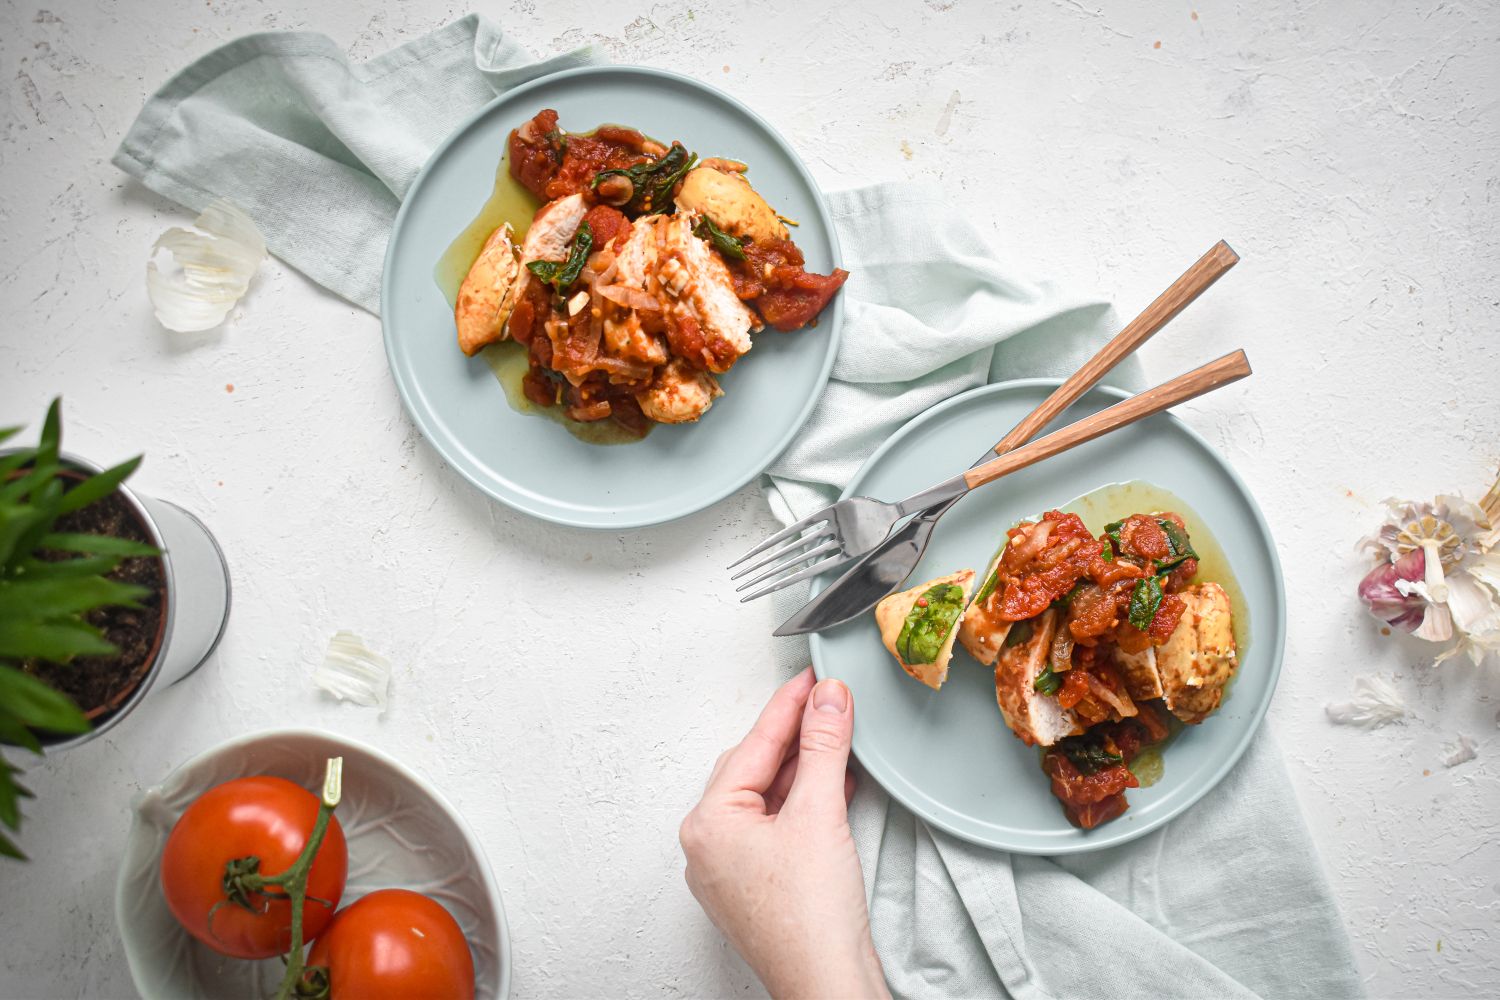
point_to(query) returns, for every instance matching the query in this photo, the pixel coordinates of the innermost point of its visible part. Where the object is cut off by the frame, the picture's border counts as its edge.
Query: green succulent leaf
(41, 569)
(10, 463)
(96, 545)
(49, 447)
(14, 731)
(36, 478)
(59, 597)
(16, 522)
(38, 706)
(56, 642)
(11, 794)
(98, 486)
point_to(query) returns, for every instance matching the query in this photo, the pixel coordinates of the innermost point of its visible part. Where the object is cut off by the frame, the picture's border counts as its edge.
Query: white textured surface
(569, 689)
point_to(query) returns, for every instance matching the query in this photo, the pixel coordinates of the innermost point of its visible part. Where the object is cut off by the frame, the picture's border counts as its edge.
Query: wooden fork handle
(1229, 368)
(1193, 282)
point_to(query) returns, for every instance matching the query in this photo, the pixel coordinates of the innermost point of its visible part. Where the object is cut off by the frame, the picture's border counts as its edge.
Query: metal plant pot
(195, 602)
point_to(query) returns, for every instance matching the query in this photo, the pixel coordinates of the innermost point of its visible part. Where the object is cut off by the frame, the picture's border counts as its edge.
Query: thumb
(823, 751)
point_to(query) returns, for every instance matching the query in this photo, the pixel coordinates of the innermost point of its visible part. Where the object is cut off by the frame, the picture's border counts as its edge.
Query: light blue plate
(532, 463)
(947, 755)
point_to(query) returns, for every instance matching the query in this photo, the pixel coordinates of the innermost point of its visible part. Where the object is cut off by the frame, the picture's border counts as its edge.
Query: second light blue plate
(947, 755)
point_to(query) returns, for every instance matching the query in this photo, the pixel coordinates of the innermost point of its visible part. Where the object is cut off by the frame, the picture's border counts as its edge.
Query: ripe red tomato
(395, 944)
(265, 818)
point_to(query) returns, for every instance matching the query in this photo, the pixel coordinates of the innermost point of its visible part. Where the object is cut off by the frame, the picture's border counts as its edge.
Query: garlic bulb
(1439, 574)
(214, 266)
(351, 671)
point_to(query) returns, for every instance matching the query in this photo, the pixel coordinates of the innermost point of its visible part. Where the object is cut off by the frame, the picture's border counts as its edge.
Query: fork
(845, 531)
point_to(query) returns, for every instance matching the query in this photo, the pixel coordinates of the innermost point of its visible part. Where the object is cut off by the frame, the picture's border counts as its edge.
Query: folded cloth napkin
(1227, 901)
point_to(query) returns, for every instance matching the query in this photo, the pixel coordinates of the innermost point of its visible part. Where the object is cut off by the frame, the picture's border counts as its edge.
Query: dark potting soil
(93, 681)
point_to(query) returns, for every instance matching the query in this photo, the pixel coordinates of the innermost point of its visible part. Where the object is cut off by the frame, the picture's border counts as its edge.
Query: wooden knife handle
(1193, 282)
(1229, 368)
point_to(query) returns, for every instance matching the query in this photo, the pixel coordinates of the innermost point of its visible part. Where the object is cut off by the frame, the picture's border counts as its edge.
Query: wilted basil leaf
(1144, 600)
(561, 274)
(730, 246)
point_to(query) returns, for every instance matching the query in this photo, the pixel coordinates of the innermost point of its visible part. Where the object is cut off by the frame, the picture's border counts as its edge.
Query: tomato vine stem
(294, 879)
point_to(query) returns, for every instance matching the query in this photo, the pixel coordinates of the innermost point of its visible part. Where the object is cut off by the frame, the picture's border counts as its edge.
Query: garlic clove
(351, 671)
(213, 267)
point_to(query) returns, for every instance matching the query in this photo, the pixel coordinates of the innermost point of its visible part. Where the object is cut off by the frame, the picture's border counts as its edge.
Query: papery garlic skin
(214, 268)
(1460, 751)
(1375, 703)
(351, 671)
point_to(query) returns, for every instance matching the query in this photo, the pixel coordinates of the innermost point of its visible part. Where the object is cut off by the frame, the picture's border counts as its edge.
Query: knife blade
(871, 579)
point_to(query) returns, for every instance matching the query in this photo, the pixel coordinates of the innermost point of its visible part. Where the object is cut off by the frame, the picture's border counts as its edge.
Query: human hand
(769, 853)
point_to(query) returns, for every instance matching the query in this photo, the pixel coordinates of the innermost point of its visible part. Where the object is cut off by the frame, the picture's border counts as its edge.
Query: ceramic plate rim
(1115, 834)
(487, 873)
(833, 321)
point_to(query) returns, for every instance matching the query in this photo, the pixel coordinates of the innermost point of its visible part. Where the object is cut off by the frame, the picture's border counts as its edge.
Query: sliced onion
(633, 371)
(630, 298)
(589, 412)
(1104, 693)
(1062, 648)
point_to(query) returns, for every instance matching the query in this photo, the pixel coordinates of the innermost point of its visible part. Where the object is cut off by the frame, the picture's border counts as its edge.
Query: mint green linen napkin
(1228, 901)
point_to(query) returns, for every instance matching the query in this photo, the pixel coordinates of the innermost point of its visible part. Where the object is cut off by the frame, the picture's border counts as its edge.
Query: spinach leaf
(561, 274)
(1047, 682)
(1112, 530)
(1066, 600)
(1088, 755)
(929, 623)
(1144, 600)
(1106, 551)
(731, 247)
(989, 585)
(1019, 633)
(1179, 544)
(652, 180)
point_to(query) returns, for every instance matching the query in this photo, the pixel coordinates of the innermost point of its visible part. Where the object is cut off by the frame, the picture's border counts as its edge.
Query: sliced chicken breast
(1200, 657)
(552, 230)
(488, 293)
(1036, 718)
(697, 282)
(980, 631)
(1142, 679)
(626, 333)
(679, 394)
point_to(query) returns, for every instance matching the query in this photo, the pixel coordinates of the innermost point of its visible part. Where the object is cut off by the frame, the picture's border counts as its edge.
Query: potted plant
(103, 596)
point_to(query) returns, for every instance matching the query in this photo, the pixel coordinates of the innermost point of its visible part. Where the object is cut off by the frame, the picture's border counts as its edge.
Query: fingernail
(831, 696)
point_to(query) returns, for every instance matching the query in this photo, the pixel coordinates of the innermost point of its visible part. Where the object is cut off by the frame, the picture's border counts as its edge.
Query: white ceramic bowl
(402, 834)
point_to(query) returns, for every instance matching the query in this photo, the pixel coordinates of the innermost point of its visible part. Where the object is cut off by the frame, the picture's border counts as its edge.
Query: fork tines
(806, 540)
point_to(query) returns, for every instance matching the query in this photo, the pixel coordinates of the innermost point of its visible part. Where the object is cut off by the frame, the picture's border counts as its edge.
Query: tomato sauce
(551, 164)
(1090, 773)
(568, 363)
(772, 279)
